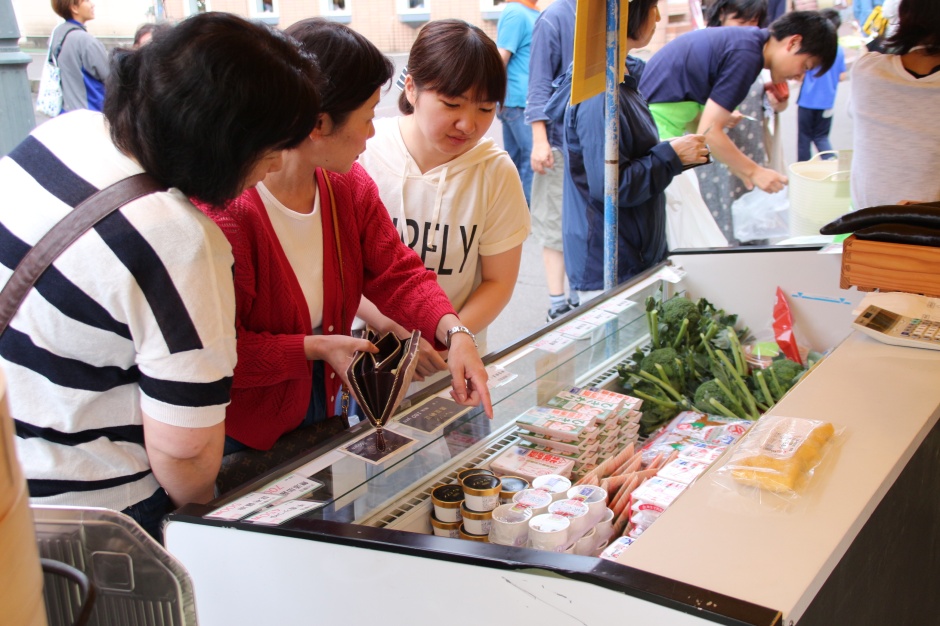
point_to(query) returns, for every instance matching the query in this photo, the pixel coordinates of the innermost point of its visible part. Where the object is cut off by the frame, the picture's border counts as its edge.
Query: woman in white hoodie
(454, 196)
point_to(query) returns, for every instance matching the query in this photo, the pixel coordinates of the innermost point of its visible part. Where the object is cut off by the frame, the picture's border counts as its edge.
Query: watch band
(459, 329)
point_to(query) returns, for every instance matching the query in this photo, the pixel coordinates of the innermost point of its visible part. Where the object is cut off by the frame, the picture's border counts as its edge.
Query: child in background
(817, 97)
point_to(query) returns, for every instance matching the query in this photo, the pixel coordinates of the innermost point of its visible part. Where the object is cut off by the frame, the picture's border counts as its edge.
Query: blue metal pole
(611, 144)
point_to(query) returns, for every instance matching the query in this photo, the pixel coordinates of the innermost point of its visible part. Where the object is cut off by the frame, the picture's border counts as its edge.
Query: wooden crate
(871, 265)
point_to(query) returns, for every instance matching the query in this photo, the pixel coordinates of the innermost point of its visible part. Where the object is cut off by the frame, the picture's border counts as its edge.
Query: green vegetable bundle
(695, 361)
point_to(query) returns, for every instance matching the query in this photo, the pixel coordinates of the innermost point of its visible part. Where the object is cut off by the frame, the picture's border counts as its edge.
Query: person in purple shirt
(696, 81)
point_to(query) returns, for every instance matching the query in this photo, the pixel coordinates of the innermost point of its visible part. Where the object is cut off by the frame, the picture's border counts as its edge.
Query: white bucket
(819, 192)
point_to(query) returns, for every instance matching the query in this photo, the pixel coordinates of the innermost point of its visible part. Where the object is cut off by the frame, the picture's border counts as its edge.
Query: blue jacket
(647, 166)
(551, 52)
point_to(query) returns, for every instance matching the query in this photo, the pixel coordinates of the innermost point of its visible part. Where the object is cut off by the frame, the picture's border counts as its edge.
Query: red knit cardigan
(273, 378)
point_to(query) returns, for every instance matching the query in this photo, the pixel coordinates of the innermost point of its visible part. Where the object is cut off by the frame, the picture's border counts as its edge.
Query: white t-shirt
(897, 138)
(301, 238)
(137, 316)
(453, 214)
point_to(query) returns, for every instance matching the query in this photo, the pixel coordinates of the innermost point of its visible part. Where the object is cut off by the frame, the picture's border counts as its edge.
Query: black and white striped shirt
(136, 317)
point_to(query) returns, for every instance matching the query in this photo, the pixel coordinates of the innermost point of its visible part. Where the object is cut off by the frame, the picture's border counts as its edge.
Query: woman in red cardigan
(308, 242)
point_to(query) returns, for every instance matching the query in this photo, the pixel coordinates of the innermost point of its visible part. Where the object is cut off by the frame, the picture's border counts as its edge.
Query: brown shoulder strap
(64, 233)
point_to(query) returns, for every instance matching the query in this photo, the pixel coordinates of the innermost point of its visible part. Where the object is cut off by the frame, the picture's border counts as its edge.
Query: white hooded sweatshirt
(453, 214)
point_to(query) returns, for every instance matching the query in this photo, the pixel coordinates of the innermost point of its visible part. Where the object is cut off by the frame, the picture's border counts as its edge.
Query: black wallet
(380, 381)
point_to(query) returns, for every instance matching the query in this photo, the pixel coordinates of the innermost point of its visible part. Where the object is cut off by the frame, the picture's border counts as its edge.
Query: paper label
(280, 513)
(498, 376)
(291, 487)
(598, 316)
(241, 507)
(577, 329)
(553, 342)
(618, 304)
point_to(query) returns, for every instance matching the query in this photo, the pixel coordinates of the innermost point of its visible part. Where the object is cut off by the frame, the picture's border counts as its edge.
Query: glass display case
(364, 551)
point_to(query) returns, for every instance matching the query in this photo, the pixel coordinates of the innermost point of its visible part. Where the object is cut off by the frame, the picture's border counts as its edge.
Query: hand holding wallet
(380, 381)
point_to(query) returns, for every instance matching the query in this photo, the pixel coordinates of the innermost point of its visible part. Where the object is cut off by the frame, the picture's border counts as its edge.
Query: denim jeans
(517, 140)
(149, 513)
(814, 126)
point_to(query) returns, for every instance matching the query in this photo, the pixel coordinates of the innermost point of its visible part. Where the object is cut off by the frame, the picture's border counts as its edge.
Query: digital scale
(899, 330)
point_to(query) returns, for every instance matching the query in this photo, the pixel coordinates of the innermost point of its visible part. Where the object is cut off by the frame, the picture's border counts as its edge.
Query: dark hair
(63, 8)
(744, 10)
(638, 15)
(819, 37)
(833, 16)
(151, 29)
(201, 104)
(918, 25)
(452, 57)
(351, 65)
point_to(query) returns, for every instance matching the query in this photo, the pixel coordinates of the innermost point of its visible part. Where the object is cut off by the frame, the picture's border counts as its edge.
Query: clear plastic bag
(761, 215)
(778, 457)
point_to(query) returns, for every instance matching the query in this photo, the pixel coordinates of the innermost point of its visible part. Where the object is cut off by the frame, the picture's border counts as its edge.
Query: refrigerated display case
(858, 547)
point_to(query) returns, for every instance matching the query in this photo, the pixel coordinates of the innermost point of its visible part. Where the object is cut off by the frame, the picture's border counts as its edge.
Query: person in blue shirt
(83, 62)
(696, 81)
(552, 50)
(514, 40)
(817, 97)
(647, 166)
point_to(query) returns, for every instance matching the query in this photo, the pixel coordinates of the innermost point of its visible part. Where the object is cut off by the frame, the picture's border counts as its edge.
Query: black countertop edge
(674, 595)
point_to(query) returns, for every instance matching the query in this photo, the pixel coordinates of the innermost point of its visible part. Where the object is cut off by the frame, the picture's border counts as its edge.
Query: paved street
(526, 311)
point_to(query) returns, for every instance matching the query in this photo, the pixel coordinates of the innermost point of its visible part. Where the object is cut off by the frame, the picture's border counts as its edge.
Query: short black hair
(833, 16)
(453, 57)
(918, 25)
(819, 38)
(744, 10)
(203, 102)
(63, 8)
(352, 67)
(636, 18)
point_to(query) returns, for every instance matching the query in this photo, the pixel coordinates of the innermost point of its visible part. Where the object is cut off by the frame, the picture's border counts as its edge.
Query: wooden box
(871, 265)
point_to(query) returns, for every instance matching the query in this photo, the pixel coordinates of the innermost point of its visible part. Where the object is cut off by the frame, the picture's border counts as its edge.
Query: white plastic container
(577, 513)
(555, 484)
(819, 192)
(476, 522)
(535, 499)
(594, 497)
(549, 532)
(510, 525)
(447, 500)
(587, 544)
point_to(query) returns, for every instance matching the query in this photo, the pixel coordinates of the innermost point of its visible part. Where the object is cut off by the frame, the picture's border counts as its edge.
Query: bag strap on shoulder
(64, 233)
(54, 56)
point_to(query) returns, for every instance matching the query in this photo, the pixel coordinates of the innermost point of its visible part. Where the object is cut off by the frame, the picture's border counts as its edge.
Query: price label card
(237, 509)
(672, 273)
(553, 342)
(498, 376)
(598, 316)
(292, 487)
(578, 329)
(433, 415)
(618, 305)
(280, 513)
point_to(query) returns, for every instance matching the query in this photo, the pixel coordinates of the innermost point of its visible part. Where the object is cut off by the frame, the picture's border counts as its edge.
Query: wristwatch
(459, 329)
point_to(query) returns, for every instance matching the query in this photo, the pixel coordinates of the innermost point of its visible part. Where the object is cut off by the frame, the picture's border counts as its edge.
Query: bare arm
(715, 118)
(499, 273)
(185, 461)
(542, 158)
(505, 55)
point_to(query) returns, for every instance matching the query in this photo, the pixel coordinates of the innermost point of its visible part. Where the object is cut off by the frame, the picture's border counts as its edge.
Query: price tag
(553, 342)
(578, 329)
(498, 376)
(241, 507)
(292, 487)
(618, 305)
(280, 513)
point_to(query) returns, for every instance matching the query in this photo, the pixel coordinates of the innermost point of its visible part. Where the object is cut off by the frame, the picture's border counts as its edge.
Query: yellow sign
(589, 76)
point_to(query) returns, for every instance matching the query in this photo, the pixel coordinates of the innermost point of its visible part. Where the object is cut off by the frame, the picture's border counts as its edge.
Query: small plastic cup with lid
(577, 512)
(535, 499)
(476, 522)
(549, 532)
(481, 492)
(511, 486)
(447, 500)
(587, 544)
(605, 527)
(510, 525)
(556, 485)
(470, 471)
(445, 529)
(593, 496)
(463, 534)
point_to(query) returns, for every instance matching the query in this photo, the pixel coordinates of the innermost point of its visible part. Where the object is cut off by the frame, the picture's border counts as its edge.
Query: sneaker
(553, 314)
(573, 305)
